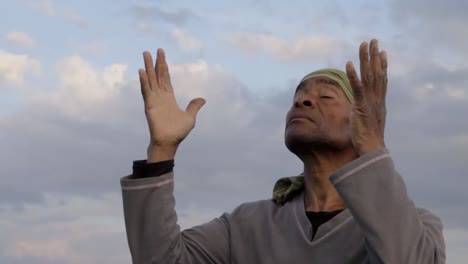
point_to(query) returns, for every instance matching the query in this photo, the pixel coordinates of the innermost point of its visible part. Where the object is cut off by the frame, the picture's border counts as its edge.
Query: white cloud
(184, 40)
(198, 79)
(20, 38)
(456, 92)
(48, 249)
(44, 6)
(304, 48)
(82, 90)
(80, 81)
(15, 67)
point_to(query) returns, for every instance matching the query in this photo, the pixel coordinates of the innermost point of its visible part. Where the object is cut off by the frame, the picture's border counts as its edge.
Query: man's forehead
(318, 80)
(336, 78)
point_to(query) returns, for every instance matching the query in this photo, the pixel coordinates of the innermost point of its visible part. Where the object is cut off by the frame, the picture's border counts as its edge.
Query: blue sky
(72, 121)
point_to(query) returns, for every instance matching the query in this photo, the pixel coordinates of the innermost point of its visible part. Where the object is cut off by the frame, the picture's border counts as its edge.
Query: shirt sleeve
(142, 169)
(394, 229)
(152, 230)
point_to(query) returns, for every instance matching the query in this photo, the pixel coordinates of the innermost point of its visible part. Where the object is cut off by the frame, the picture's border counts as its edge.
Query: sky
(72, 119)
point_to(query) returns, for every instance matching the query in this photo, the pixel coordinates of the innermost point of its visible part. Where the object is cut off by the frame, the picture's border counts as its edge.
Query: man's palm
(167, 122)
(369, 109)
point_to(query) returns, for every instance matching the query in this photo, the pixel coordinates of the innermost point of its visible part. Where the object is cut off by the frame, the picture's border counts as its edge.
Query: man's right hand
(168, 124)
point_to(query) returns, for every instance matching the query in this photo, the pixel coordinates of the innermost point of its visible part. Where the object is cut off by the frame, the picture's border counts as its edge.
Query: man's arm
(152, 230)
(394, 229)
(148, 200)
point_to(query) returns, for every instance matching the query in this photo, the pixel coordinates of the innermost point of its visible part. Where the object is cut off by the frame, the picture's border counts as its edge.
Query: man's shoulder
(428, 216)
(263, 204)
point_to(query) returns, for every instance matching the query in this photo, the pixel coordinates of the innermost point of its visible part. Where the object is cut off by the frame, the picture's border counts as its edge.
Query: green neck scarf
(288, 187)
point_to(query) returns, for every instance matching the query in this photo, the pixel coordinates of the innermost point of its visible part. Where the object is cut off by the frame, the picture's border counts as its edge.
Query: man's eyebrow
(335, 85)
(334, 89)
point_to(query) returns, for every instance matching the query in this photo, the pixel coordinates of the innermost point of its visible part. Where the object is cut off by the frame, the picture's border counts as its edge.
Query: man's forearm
(394, 229)
(152, 230)
(150, 218)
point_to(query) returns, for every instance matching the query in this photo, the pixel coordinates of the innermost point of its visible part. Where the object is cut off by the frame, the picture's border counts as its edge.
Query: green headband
(335, 75)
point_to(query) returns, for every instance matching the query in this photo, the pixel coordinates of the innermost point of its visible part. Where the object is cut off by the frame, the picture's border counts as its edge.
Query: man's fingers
(145, 86)
(162, 72)
(376, 66)
(383, 61)
(150, 70)
(366, 72)
(356, 84)
(384, 64)
(194, 106)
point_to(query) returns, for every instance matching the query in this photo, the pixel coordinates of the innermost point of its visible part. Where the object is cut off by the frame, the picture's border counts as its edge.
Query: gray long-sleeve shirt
(380, 225)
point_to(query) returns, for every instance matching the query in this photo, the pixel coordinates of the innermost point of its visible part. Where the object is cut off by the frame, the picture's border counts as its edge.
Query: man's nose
(305, 102)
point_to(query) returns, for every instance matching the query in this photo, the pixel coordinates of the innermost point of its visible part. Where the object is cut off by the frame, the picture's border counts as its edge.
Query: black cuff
(141, 169)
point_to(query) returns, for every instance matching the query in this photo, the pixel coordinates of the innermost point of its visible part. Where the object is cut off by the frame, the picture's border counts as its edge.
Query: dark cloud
(17, 194)
(236, 150)
(429, 140)
(28, 260)
(432, 24)
(51, 152)
(430, 101)
(429, 9)
(104, 247)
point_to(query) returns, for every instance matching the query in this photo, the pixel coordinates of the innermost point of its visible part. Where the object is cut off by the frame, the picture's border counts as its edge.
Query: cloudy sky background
(72, 121)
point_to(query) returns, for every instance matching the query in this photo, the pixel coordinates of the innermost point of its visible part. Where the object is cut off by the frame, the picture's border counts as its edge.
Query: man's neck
(320, 195)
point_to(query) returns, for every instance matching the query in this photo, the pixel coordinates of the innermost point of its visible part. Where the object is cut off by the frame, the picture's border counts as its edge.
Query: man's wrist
(158, 153)
(370, 148)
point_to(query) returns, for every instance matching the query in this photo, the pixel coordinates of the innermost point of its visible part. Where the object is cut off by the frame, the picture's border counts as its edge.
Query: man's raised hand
(168, 124)
(369, 108)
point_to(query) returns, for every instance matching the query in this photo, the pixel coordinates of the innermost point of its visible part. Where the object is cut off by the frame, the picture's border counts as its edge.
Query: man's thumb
(195, 105)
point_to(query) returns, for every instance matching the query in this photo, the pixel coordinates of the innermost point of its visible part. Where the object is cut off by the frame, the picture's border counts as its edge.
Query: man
(349, 206)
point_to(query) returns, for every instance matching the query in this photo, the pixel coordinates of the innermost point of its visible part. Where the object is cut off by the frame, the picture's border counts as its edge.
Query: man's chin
(298, 144)
(301, 134)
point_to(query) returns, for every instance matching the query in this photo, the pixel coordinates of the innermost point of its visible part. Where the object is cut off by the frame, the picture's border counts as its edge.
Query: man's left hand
(369, 109)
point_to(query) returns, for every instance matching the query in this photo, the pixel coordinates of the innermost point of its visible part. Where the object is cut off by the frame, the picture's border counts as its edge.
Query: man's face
(318, 118)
